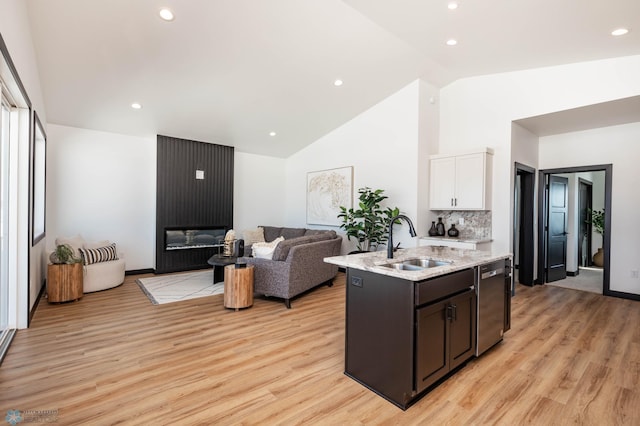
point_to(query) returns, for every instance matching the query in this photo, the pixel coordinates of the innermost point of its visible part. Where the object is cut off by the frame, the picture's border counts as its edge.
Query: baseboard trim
(35, 305)
(139, 271)
(573, 273)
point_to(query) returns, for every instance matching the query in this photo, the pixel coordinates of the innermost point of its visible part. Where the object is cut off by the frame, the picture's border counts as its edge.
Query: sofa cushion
(271, 232)
(320, 231)
(96, 255)
(265, 250)
(97, 244)
(282, 250)
(289, 233)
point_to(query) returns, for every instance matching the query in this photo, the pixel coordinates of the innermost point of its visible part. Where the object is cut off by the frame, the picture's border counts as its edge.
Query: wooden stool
(64, 282)
(238, 287)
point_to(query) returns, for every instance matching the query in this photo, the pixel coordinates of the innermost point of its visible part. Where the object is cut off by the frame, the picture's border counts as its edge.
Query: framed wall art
(327, 190)
(38, 180)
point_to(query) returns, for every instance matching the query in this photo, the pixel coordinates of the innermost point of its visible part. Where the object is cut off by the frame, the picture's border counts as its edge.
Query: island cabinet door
(462, 336)
(445, 337)
(432, 356)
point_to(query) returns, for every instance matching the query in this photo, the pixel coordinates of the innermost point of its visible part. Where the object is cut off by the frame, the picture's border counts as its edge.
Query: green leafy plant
(368, 223)
(63, 254)
(596, 219)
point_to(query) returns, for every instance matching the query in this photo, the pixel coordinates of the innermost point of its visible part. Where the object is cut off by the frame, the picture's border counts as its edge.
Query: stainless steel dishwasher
(493, 303)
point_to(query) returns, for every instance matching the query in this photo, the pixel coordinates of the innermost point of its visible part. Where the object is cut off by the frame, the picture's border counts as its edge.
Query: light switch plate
(200, 174)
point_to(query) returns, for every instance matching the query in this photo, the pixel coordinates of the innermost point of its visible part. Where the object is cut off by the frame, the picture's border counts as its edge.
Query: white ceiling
(231, 71)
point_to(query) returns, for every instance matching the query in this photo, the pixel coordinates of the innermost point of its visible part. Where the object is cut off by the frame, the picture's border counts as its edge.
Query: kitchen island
(413, 320)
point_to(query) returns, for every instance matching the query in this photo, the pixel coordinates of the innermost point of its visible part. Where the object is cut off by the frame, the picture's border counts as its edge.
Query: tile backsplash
(477, 224)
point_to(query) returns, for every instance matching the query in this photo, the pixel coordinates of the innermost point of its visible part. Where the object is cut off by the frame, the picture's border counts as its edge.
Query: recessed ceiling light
(136, 105)
(337, 82)
(452, 5)
(619, 32)
(452, 42)
(166, 14)
(272, 133)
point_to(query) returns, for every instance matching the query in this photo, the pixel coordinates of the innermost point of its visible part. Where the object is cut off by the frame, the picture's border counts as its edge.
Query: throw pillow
(101, 254)
(252, 236)
(265, 250)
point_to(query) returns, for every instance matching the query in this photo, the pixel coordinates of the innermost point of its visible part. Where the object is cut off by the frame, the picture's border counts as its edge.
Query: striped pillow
(101, 254)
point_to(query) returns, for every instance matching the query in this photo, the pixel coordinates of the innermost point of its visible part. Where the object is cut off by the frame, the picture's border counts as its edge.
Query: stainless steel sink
(416, 264)
(403, 267)
(426, 263)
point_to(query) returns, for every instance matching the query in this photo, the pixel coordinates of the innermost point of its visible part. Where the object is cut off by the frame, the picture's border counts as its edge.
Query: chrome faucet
(412, 231)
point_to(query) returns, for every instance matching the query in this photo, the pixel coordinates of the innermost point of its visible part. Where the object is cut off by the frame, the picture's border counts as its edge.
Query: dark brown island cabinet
(403, 337)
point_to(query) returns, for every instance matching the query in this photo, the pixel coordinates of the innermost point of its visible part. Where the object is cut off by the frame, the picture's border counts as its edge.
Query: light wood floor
(571, 357)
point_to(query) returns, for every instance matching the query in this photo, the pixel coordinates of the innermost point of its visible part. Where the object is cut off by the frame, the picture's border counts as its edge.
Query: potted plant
(369, 222)
(596, 219)
(63, 254)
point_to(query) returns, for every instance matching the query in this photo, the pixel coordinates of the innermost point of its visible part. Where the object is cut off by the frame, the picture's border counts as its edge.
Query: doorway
(523, 224)
(549, 229)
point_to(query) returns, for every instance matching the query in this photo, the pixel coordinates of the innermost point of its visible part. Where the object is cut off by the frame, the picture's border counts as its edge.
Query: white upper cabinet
(461, 182)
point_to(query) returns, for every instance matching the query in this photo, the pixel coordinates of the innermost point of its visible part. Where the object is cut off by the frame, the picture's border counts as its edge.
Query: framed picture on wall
(38, 179)
(327, 190)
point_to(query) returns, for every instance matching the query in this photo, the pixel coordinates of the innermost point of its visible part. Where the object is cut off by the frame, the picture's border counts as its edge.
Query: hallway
(589, 279)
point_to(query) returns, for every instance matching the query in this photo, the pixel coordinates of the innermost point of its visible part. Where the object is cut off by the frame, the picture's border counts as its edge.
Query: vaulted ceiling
(233, 71)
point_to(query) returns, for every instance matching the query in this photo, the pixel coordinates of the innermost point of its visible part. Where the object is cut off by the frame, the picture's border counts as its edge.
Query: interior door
(557, 228)
(525, 226)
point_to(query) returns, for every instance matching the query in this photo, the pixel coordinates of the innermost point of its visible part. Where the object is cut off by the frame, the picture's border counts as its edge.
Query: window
(15, 124)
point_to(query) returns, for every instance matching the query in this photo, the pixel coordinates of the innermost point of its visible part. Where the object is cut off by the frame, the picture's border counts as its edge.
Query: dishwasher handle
(492, 273)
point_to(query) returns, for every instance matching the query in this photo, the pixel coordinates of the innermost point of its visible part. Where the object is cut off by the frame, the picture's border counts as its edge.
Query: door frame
(525, 244)
(589, 186)
(543, 194)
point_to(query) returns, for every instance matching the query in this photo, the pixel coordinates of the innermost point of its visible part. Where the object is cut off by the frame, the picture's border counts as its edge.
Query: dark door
(557, 229)
(584, 239)
(432, 356)
(524, 223)
(462, 336)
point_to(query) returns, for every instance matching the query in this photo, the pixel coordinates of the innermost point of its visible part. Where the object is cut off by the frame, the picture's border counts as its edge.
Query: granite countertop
(460, 259)
(462, 240)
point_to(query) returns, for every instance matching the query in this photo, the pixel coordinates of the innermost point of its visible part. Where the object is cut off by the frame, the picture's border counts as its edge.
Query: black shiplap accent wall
(183, 201)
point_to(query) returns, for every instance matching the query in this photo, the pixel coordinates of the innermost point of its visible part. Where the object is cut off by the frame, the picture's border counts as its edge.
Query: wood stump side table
(238, 287)
(64, 282)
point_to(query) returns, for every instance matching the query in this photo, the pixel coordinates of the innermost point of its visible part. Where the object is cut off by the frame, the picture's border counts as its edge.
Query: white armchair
(100, 275)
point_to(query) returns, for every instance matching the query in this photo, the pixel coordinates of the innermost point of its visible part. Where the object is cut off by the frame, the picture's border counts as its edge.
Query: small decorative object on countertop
(433, 231)
(440, 227)
(453, 232)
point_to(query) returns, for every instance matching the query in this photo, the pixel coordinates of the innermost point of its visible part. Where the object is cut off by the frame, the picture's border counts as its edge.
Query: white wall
(619, 146)
(524, 150)
(103, 186)
(384, 148)
(15, 30)
(259, 191)
(477, 112)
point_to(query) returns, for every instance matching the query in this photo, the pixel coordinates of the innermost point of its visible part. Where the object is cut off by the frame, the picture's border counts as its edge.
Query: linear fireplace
(193, 238)
(194, 202)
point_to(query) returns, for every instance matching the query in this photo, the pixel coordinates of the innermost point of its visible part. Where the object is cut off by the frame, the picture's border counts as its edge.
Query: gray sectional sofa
(297, 264)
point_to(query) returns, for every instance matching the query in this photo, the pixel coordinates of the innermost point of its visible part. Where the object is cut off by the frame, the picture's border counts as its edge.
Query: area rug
(178, 287)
